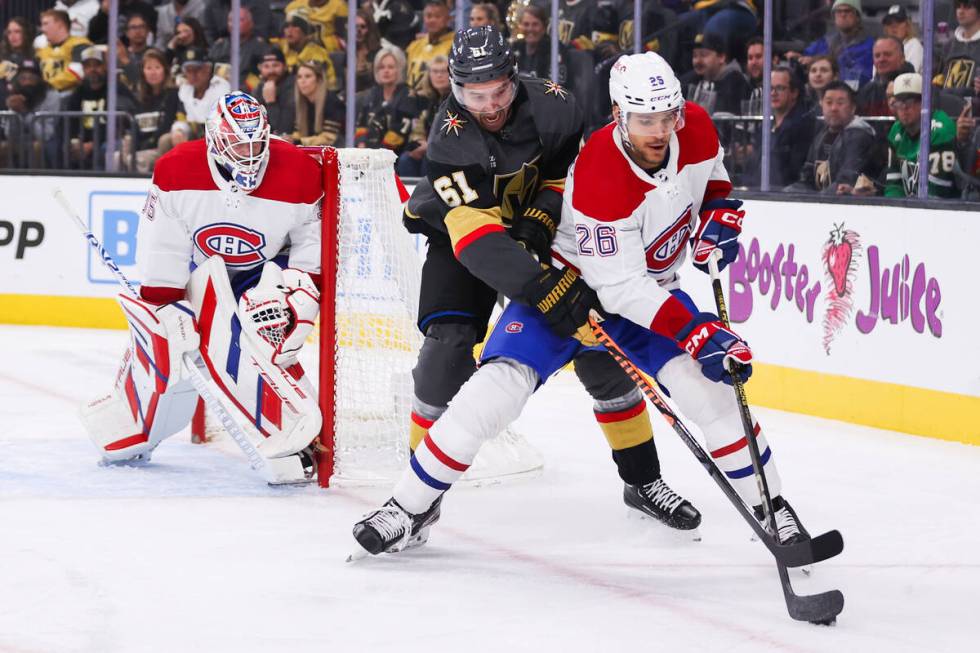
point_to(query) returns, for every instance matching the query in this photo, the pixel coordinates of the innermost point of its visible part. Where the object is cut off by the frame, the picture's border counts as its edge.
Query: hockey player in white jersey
(640, 190)
(228, 250)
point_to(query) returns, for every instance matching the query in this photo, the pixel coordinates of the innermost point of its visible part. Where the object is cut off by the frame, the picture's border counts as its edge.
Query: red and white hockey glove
(280, 310)
(719, 228)
(707, 340)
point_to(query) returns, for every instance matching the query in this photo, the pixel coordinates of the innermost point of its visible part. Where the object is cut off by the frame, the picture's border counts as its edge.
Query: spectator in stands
(902, 174)
(171, 15)
(397, 22)
(130, 55)
(200, 90)
(319, 111)
(29, 95)
(437, 40)
(299, 44)
(80, 14)
(961, 56)
(754, 59)
(576, 19)
(822, 70)
(721, 86)
(368, 44)
(433, 91)
(251, 49)
(276, 91)
(216, 23)
(60, 59)
(533, 52)
(792, 127)
(87, 134)
(329, 18)
(157, 107)
(16, 48)
(485, 13)
(850, 44)
(732, 22)
(841, 158)
(386, 111)
(98, 27)
(890, 62)
(896, 22)
(189, 34)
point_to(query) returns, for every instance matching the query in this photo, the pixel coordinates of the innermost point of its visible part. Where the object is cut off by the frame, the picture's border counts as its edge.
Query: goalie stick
(192, 360)
(817, 608)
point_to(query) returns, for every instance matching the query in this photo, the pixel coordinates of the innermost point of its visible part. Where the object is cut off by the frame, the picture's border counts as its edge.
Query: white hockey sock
(712, 406)
(492, 398)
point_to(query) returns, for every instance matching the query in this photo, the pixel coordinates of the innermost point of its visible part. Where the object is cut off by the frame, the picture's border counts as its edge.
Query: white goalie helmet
(237, 134)
(645, 84)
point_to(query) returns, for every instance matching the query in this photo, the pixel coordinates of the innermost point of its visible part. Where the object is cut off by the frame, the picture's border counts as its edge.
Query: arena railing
(54, 140)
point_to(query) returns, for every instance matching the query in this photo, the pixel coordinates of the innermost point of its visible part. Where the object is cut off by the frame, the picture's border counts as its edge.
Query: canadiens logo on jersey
(663, 252)
(238, 246)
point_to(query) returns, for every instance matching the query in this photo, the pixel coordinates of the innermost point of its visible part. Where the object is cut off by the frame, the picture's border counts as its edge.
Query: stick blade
(817, 549)
(815, 608)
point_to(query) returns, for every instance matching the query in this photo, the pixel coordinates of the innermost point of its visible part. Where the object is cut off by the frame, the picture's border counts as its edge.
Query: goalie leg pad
(492, 399)
(277, 407)
(712, 406)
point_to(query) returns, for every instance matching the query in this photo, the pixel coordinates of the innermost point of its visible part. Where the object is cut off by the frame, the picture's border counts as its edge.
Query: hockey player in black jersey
(498, 155)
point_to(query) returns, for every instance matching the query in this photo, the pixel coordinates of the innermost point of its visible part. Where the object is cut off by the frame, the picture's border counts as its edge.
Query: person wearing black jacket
(718, 84)
(386, 110)
(276, 92)
(792, 127)
(842, 157)
(889, 62)
(156, 110)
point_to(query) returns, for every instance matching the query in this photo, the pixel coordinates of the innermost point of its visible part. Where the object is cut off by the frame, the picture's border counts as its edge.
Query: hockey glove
(721, 223)
(281, 310)
(535, 229)
(565, 301)
(707, 340)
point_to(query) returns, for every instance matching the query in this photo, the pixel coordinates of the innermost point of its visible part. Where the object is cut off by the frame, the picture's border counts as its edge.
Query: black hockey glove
(565, 301)
(534, 229)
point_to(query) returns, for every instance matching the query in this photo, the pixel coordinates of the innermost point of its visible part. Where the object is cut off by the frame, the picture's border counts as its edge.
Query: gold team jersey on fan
(310, 52)
(322, 19)
(60, 63)
(420, 52)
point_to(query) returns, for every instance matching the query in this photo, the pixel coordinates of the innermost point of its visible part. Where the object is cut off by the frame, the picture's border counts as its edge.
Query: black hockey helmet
(481, 54)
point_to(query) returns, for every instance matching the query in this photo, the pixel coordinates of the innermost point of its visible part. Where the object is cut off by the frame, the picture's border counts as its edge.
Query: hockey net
(366, 341)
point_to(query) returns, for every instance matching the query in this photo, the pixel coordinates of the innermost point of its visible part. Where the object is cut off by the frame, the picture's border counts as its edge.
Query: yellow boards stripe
(85, 312)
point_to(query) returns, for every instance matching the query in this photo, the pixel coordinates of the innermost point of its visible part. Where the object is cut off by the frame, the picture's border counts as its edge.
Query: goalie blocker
(241, 343)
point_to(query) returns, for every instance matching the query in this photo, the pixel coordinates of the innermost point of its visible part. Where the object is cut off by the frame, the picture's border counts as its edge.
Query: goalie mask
(648, 95)
(237, 134)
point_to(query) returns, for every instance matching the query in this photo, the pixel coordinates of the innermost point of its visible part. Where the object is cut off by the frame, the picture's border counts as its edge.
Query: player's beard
(493, 122)
(646, 155)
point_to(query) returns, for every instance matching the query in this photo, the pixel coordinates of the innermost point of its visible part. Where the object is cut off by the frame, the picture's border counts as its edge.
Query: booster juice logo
(777, 273)
(895, 300)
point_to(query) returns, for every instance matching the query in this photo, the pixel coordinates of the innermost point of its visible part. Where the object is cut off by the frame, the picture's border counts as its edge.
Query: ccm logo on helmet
(666, 247)
(238, 246)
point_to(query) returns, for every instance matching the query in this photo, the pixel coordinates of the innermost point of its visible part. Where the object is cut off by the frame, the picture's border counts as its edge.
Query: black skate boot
(788, 526)
(657, 500)
(391, 529)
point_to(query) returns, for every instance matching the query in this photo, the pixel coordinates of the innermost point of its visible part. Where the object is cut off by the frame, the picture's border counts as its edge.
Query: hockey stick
(192, 360)
(826, 545)
(817, 608)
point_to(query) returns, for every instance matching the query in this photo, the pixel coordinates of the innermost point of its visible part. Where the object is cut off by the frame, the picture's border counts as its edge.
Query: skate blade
(354, 556)
(693, 534)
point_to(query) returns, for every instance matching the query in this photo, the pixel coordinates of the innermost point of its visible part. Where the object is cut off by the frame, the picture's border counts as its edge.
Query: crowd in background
(846, 87)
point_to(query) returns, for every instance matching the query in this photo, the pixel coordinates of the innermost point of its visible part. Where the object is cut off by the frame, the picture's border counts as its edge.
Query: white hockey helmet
(646, 84)
(237, 134)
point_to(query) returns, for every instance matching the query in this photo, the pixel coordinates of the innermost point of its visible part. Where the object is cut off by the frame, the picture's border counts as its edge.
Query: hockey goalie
(228, 250)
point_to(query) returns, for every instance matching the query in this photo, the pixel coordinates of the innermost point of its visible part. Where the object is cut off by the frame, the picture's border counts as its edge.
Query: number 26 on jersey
(600, 240)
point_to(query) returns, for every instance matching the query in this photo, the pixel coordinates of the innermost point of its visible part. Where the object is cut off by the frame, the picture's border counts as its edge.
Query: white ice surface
(195, 553)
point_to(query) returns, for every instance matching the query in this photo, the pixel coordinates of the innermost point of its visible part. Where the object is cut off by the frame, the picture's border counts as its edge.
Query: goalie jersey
(629, 242)
(193, 212)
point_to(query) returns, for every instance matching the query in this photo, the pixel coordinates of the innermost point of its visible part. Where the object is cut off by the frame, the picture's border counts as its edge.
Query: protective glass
(487, 97)
(656, 125)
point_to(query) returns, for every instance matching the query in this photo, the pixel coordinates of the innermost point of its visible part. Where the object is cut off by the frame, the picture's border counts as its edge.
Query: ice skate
(789, 530)
(391, 529)
(659, 501)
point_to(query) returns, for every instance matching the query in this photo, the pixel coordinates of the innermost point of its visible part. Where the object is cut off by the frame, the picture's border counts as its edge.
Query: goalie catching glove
(565, 301)
(281, 310)
(721, 224)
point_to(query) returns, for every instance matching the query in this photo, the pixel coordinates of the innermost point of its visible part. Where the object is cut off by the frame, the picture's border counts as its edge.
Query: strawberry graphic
(840, 255)
(837, 256)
